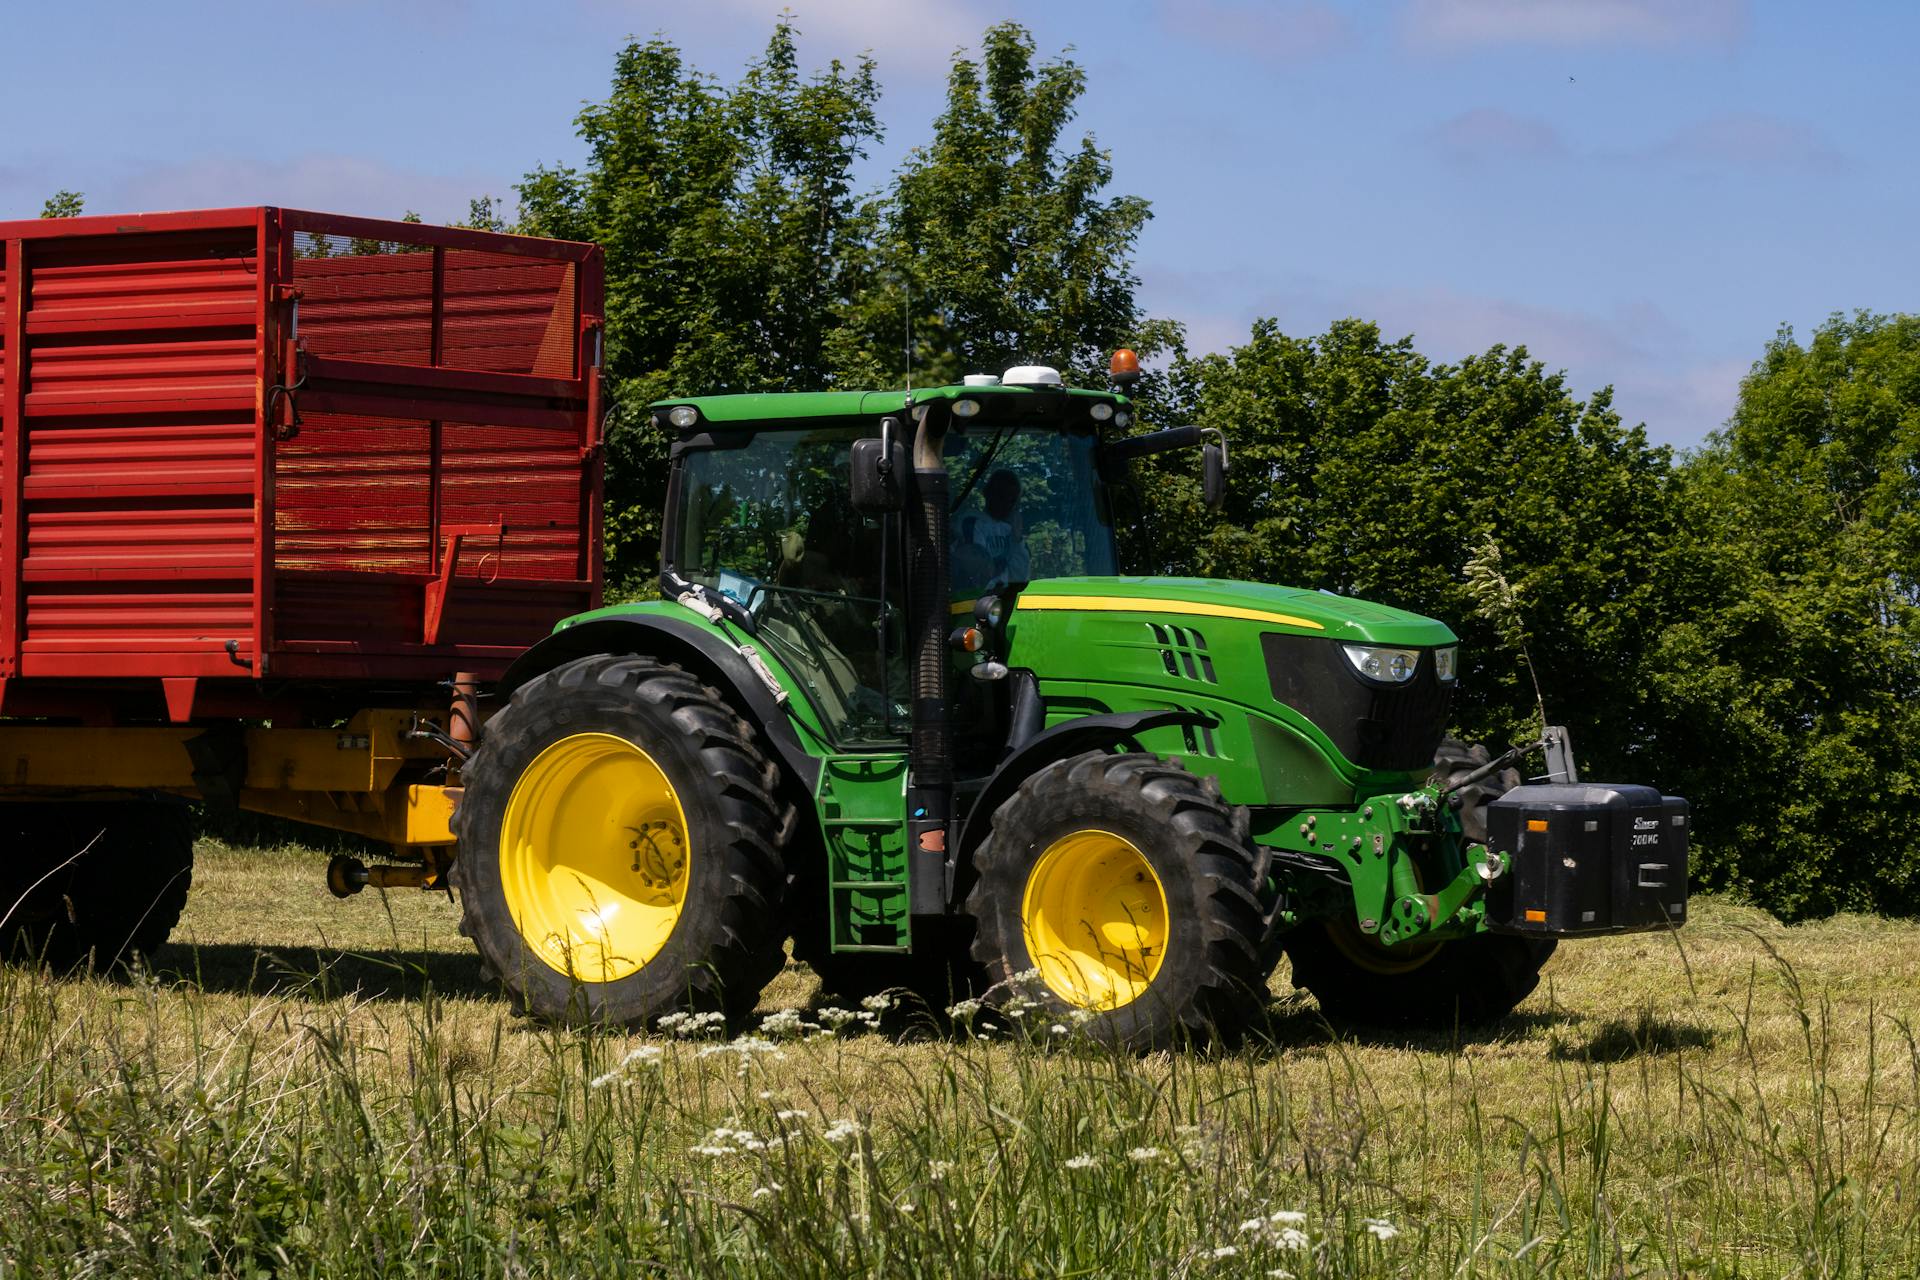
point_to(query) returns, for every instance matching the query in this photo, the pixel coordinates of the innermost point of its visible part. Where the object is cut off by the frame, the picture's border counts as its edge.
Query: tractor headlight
(1101, 411)
(683, 416)
(1394, 666)
(965, 408)
(1446, 662)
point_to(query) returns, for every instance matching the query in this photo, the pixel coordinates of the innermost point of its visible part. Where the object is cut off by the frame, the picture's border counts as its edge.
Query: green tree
(1788, 681)
(733, 238)
(63, 204)
(1002, 235)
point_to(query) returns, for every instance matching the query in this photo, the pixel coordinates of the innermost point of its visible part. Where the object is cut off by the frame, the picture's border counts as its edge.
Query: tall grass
(152, 1128)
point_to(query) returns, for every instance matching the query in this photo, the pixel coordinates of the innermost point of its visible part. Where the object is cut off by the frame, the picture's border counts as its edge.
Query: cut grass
(314, 1087)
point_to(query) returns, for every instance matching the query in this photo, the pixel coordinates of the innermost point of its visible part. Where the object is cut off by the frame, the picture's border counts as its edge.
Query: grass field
(307, 1087)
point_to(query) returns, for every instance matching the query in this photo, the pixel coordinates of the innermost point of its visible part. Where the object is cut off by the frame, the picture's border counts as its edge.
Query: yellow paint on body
(1191, 608)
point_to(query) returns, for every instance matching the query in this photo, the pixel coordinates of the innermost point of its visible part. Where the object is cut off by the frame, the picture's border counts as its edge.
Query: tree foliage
(731, 228)
(1000, 225)
(64, 204)
(1788, 678)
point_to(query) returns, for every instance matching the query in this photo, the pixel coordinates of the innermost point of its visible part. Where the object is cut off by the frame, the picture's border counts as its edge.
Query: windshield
(772, 527)
(1027, 504)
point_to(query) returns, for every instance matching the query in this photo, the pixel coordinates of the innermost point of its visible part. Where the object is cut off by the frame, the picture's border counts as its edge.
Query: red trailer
(268, 480)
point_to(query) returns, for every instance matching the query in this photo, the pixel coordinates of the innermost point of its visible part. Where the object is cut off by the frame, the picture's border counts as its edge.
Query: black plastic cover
(1374, 724)
(1588, 858)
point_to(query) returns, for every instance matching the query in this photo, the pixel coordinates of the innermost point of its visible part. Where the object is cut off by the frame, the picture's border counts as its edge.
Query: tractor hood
(1284, 608)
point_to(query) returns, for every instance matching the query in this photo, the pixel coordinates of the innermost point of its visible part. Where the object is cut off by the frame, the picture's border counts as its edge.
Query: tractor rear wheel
(620, 847)
(94, 883)
(1121, 889)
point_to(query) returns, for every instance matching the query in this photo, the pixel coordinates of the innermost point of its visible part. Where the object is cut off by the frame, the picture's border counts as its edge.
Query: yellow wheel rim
(594, 857)
(1375, 956)
(1095, 918)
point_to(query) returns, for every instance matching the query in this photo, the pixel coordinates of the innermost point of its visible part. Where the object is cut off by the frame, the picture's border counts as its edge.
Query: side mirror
(878, 473)
(1213, 473)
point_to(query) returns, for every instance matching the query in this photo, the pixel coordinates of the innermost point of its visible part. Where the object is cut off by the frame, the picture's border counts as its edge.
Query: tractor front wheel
(620, 847)
(1434, 985)
(1119, 890)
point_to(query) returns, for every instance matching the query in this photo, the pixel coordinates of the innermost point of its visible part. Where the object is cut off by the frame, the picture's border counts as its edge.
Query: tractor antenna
(906, 287)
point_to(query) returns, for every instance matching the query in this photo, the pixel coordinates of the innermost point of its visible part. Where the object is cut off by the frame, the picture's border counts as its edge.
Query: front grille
(1374, 726)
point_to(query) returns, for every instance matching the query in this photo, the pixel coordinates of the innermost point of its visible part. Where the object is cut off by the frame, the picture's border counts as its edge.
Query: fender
(705, 653)
(1068, 738)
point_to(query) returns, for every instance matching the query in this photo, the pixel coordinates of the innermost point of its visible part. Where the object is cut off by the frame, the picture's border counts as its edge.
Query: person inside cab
(992, 547)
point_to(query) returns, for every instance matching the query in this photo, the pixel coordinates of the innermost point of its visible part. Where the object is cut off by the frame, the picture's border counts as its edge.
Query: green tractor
(899, 704)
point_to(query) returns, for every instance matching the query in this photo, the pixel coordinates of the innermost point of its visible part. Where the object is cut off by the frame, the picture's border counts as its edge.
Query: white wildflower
(1253, 1224)
(760, 1192)
(786, 1022)
(1225, 1251)
(1025, 975)
(1286, 1218)
(790, 1115)
(905, 1206)
(877, 1004)
(1280, 1273)
(835, 1018)
(1081, 1017)
(1141, 1155)
(1292, 1238)
(715, 1150)
(1082, 1162)
(1381, 1228)
(938, 1169)
(963, 1010)
(645, 1055)
(842, 1131)
(1058, 1029)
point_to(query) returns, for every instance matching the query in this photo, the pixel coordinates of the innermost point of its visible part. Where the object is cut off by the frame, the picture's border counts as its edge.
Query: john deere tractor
(899, 704)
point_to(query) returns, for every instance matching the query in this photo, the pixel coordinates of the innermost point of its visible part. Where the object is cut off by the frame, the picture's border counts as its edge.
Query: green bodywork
(1377, 847)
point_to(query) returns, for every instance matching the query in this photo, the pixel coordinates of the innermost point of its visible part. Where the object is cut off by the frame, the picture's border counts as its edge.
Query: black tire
(1470, 981)
(94, 884)
(727, 941)
(1456, 759)
(1210, 980)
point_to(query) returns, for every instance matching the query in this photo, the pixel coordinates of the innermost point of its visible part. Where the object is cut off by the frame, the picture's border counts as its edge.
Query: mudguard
(705, 653)
(1068, 738)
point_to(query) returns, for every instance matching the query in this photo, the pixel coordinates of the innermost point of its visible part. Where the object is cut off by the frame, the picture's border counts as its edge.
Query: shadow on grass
(323, 973)
(1297, 1023)
(1624, 1038)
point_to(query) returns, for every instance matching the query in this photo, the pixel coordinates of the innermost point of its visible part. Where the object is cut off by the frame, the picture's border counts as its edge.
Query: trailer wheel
(620, 847)
(94, 884)
(1118, 888)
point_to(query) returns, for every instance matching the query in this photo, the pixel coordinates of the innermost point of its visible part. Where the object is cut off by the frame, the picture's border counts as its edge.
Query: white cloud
(1466, 24)
(1275, 31)
(919, 35)
(1491, 135)
(1751, 141)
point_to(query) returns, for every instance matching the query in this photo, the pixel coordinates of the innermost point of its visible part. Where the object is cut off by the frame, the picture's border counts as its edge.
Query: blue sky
(1639, 190)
